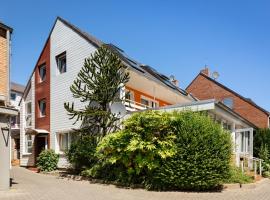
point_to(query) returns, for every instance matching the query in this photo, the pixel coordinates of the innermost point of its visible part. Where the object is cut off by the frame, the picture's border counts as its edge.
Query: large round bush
(47, 160)
(203, 154)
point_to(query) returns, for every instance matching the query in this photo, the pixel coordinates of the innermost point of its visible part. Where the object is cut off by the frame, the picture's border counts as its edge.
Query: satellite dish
(118, 109)
(215, 75)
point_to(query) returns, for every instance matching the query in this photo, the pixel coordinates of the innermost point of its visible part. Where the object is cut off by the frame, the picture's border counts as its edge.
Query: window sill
(26, 154)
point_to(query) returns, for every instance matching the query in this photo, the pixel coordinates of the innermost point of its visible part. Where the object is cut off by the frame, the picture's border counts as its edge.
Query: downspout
(8, 63)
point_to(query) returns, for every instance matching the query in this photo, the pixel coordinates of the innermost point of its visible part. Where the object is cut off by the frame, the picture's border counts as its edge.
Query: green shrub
(237, 176)
(81, 153)
(261, 138)
(47, 160)
(203, 154)
(137, 149)
(264, 155)
(166, 151)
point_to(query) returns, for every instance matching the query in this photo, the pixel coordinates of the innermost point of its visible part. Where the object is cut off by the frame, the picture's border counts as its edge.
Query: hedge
(159, 150)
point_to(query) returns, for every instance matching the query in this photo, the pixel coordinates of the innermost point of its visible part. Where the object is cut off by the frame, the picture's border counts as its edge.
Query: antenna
(215, 75)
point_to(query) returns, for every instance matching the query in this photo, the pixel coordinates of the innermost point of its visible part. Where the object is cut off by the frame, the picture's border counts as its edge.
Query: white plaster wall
(25, 158)
(77, 49)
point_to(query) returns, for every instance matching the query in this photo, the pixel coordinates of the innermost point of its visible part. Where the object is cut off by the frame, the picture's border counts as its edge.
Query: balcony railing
(135, 106)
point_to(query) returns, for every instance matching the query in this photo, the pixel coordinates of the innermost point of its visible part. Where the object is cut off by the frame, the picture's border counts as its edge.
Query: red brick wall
(42, 90)
(203, 88)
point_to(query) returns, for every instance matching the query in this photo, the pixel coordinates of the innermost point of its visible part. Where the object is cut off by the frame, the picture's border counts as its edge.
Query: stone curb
(244, 186)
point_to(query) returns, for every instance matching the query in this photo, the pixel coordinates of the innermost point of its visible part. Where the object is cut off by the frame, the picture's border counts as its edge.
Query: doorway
(41, 144)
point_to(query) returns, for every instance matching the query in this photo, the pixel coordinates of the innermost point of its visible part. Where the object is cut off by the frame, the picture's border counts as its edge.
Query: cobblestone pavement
(31, 186)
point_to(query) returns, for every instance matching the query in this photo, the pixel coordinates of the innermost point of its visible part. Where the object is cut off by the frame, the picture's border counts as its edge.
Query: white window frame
(150, 101)
(41, 114)
(28, 144)
(59, 58)
(69, 140)
(132, 97)
(43, 66)
(28, 114)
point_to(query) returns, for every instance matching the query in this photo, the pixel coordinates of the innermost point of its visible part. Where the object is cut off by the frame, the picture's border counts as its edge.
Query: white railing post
(260, 167)
(255, 170)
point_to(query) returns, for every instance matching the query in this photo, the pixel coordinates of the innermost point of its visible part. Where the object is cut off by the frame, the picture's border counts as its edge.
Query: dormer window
(61, 63)
(228, 102)
(42, 72)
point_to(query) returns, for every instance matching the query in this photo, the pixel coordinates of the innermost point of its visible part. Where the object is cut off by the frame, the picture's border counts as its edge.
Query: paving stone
(32, 186)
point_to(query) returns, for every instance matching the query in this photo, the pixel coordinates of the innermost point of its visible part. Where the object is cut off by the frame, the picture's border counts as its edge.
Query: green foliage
(261, 138)
(166, 151)
(237, 176)
(203, 154)
(82, 153)
(47, 160)
(139, 148)
(262, 149)
(98, 84)
(264, 155)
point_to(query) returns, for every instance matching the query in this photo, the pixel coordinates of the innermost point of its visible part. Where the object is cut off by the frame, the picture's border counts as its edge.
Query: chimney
(175, 82)
(206, 71)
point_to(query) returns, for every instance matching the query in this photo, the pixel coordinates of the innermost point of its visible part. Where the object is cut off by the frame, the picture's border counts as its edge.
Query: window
(145, 102)
(245, 141)
(65, 139)
(28, 114)
(228, 102)
(61, 63)
(149, 103)
(13, 96)
(129, 95)
(42, 107)
(42, 72)
(28, 143)
(13, 121)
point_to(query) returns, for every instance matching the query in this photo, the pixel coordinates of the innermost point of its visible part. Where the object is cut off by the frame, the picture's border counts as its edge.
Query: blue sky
(175, 37)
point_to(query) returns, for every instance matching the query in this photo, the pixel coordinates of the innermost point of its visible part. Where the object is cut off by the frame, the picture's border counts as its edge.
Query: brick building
(204, 87)
(5, 33)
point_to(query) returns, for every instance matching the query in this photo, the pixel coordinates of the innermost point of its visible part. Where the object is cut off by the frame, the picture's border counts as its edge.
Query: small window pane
(42, 108)
(228, 102)
(13, 96)
(61, 63)
(145, 102)
(42, 72)
(28, 144)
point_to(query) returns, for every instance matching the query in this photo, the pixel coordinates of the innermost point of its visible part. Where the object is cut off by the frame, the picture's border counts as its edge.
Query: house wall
(16, 102)
(64, 39)
(42, 90)
(27, 159)
(138, 94)
(203, 89)
(4, 62)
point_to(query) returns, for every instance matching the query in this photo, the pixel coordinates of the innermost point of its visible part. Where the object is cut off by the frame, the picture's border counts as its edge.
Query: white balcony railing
(134, 106)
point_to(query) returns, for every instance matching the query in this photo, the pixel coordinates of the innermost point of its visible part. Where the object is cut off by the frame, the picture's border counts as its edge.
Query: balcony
(135, 106)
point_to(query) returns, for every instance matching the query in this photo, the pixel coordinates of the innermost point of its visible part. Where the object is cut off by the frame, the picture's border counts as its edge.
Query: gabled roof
(2, 25)
(229, 90)
(129, 62)
(17, 87)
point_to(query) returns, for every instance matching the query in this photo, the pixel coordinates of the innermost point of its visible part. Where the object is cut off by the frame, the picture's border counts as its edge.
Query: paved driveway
(32, 186)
